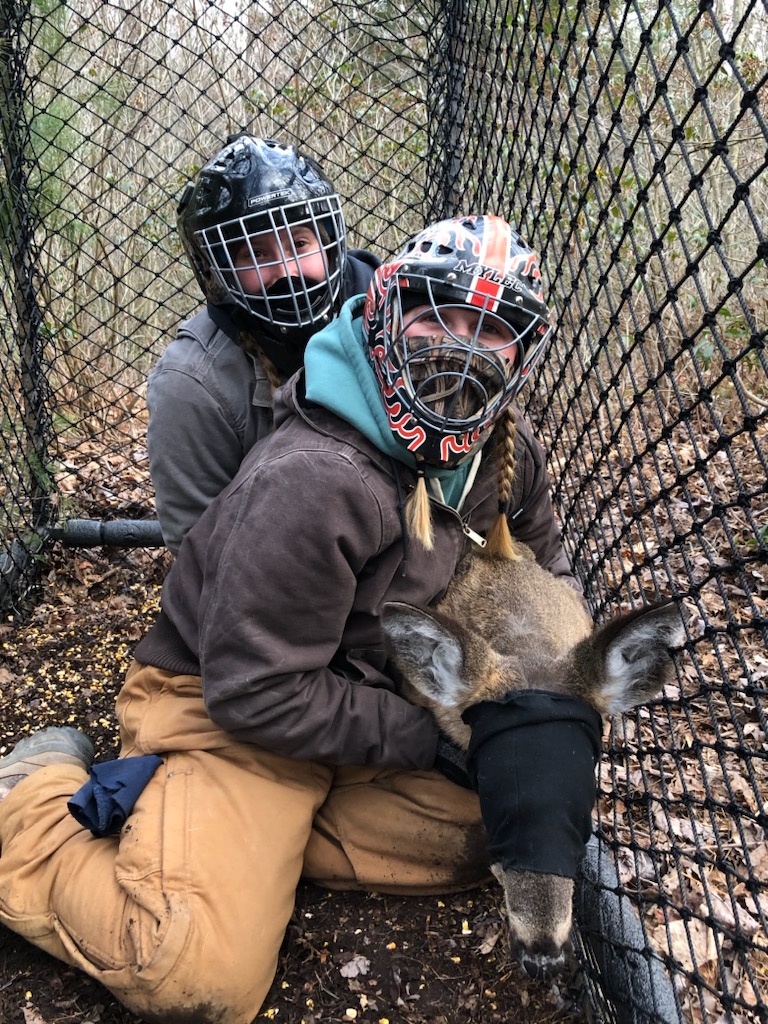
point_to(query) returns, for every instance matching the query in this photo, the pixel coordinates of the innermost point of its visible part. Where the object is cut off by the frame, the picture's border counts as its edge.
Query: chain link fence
(629, 144)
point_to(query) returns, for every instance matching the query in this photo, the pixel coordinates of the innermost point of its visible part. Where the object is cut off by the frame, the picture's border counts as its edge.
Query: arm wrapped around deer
(451, 760)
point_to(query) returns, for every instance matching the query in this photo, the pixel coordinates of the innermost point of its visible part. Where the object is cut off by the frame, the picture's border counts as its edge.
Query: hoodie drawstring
(401, 513)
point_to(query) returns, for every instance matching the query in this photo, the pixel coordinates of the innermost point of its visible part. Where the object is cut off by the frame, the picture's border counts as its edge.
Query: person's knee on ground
(54, 745)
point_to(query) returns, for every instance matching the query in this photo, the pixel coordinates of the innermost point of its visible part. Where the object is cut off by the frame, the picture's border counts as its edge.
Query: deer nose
(542, 966)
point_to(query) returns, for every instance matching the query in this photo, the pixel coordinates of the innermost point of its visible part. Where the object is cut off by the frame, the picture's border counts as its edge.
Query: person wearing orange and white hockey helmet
(264, 688)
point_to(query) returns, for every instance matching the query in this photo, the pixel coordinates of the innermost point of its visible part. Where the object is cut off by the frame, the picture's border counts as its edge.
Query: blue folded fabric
(106, 800)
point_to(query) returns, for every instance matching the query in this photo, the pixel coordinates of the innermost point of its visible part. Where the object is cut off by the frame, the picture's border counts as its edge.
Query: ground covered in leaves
(347, 957)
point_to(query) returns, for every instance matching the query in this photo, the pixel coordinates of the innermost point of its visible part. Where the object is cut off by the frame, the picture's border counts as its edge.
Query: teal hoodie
(340, 377)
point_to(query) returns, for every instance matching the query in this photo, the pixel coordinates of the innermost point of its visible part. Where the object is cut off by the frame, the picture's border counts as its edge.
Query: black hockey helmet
(256, 189)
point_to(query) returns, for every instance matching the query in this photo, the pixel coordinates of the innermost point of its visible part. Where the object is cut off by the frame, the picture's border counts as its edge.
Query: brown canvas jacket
(274, 598)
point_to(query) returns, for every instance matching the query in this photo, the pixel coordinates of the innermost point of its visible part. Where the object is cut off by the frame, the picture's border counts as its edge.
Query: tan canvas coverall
(183, 914)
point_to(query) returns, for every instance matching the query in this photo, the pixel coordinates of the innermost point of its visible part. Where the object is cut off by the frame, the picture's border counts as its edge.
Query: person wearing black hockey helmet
(263, 229)
(264, 232)
(455, 325)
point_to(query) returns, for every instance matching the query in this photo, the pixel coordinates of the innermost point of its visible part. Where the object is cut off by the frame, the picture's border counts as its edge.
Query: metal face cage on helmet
(455, 324)
(255, 219)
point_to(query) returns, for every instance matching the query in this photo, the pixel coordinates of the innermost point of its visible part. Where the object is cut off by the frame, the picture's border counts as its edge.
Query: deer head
(514, 674)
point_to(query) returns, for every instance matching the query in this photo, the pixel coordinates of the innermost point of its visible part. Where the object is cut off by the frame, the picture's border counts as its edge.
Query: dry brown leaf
(741, 787)
(354, 967)
(723, 913)
(692, 944)
(490, 940)
(31, 1016)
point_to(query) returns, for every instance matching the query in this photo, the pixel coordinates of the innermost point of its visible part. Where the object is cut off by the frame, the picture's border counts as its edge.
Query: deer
(516, 674)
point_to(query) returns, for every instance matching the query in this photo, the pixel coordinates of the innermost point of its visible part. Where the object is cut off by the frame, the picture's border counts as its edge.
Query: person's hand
(452, 762)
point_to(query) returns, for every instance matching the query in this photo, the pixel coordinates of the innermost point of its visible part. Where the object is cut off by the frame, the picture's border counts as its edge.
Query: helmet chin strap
(285, 350)
(287, 293)
(282, 344)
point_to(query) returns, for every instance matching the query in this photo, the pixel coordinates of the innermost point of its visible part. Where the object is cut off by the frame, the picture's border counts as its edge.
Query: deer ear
(637, 660)
(425, 650)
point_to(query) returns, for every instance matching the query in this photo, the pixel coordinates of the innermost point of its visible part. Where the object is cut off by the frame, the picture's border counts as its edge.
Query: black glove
(452, 762)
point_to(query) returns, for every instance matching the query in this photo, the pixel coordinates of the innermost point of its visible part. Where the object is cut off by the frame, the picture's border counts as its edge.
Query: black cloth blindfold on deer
(532, 761)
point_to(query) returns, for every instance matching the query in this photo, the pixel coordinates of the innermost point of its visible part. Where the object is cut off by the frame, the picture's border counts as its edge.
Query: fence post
(448, 111)
(19, 218)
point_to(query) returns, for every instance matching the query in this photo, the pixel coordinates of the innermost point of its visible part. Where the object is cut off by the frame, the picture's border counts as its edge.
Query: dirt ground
(367, 958)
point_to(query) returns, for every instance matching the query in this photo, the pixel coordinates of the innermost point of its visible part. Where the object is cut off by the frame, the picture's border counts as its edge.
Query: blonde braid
(250, 344)
(419, 514)
(500, 540)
